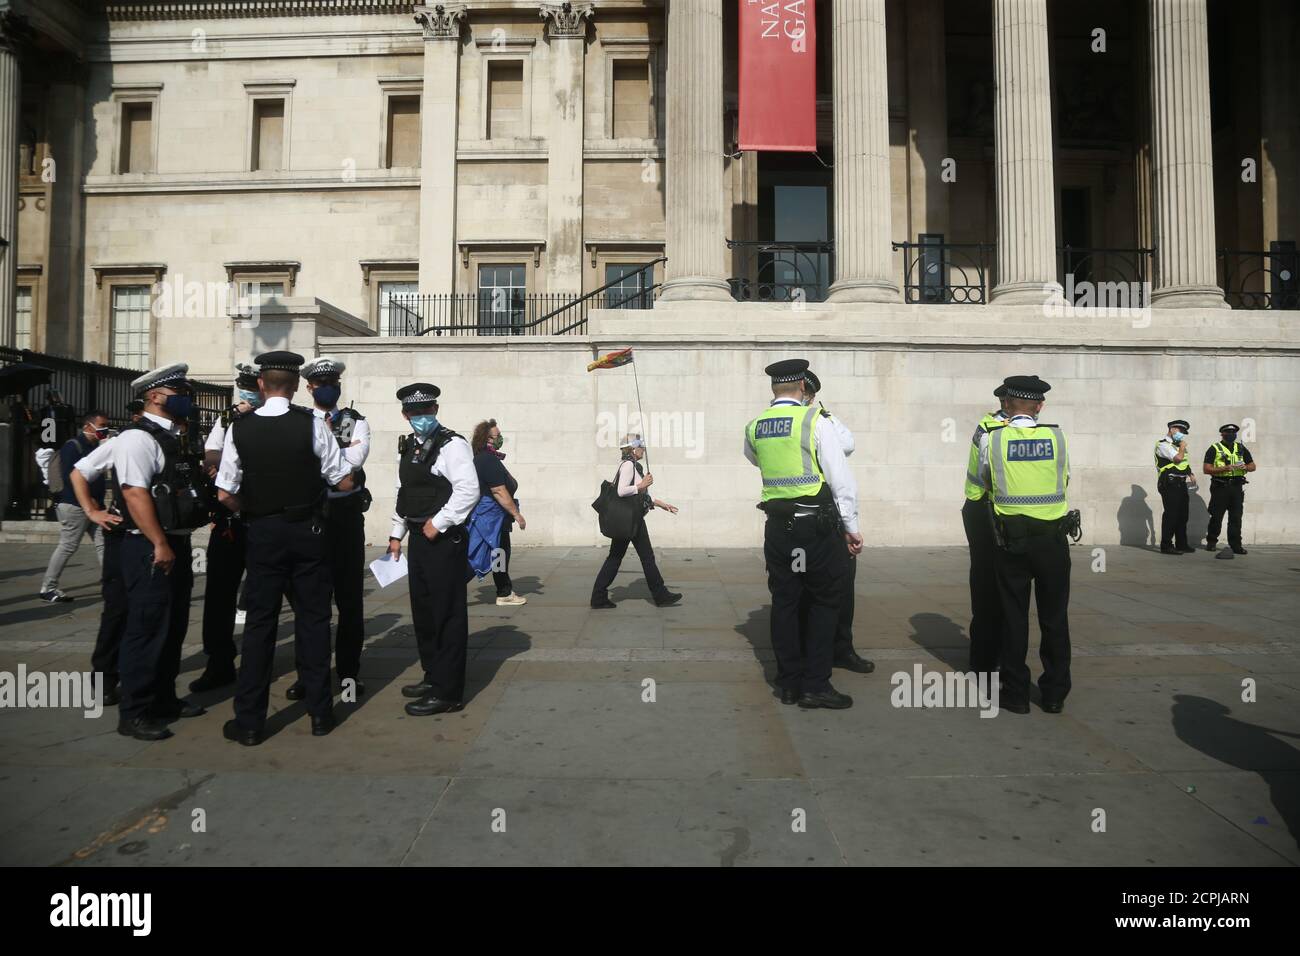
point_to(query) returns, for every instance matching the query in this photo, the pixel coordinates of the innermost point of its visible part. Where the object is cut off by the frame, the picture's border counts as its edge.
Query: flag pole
(640, 414)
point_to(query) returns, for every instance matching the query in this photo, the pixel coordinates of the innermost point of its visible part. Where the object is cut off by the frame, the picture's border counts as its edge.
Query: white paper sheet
(386, 570)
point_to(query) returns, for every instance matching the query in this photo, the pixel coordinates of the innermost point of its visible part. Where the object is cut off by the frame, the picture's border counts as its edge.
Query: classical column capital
(568, 19)
(441, 21)
(14, 32)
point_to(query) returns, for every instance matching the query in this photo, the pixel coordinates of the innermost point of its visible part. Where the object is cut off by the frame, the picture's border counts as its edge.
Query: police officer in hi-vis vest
(986, 620)
(1027, 469)
(275, 468)
(1174, 481)
(811, 533)
(437, 488)
(1227, 462)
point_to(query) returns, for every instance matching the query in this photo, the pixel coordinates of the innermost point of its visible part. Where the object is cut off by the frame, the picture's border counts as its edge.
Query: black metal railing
(47, 416)
(781, 271)
(1096, 277)
(1253, 279)
(512, 312)
(946, 273)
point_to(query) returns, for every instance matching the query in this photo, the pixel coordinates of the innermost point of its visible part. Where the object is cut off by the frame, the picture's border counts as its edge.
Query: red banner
(778, 76)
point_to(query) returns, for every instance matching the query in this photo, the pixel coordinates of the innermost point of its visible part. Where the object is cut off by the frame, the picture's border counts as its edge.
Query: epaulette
(301, 409)
(444, 435)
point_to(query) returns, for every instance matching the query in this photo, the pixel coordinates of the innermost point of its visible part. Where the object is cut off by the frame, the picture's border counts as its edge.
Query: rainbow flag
(612, 360)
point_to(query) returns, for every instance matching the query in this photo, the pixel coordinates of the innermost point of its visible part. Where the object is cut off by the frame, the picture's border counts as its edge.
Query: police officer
(1174, 481)
(1227, 462)
(845, 656)
(345, 531)
(1027, 469)
(275, 467)
(986, 620)
(437, 488)
(227, 545)
(810, 499)
(161, 492)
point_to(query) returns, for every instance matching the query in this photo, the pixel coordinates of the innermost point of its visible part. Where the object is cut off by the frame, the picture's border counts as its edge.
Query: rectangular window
(130, 341)
(268, 135)
(23, 317)
(403, 132)
(629, 288)
(501, 290)
(398, 313)
(263, 290)
(633, 110)
(136, 138)
(505, 99)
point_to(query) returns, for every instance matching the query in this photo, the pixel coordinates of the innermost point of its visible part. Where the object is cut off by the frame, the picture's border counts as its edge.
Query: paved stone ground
(557, 738)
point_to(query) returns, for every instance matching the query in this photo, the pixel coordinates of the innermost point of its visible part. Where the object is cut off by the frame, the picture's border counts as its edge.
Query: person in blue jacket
(496, 512)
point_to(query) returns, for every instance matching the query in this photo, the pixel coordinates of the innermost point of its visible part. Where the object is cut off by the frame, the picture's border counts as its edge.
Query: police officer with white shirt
(845, 656)
(810, 499)
(161, 495)
(345, 530)
(437, 488)
(275, 468)
(1174, 481)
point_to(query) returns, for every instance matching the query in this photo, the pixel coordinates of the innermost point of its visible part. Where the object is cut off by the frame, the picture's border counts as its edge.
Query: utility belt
(315, 512)
(1012, 532)
(823, 517)
(359, 500)
(416, 526)
(1228, 480)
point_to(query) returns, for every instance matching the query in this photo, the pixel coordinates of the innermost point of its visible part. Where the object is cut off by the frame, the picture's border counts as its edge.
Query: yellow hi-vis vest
(1225, 456)
(974, 486)
(1164, 464)
(1029, 467)
(782, 441)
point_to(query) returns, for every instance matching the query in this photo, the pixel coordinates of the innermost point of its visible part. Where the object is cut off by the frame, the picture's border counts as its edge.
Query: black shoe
(829, 699)
(598, 604)
(249, 738)
(1053, 706)
(113, 695)
(1239, 550)
(295, 691)
(1015, 706)
(1186, 549)
(789, 697)
(1169, 549)
(179, 709)
(1210, 544)
(360, 685)
(422, 689)
(213, 677)
(320, 726)
(852, 662)
(429, 705)
(144, 728)
(667, 599)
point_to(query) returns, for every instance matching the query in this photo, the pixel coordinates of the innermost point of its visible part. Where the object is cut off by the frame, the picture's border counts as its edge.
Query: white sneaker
(240, 616)
(511, 601)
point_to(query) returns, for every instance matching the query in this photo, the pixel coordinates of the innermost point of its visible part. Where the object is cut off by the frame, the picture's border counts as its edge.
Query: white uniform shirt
(835, 466)
(456, 464)
(1167, 448)
(357, 454)
(100, 460)
(843, 434)
(137, 458)
(216, 439)
(333, 466)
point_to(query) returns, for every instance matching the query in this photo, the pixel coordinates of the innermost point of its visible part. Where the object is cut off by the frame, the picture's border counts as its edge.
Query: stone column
(566, 26)
(13, 32)
(693, 183)
(1181, 153)
(1022, 118)
(439, 127)
(863, 259)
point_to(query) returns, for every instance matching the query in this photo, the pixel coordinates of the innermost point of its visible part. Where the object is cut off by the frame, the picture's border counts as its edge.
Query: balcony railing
(782, 271)
(1105, 277)
(1260, 280)
(946, 273)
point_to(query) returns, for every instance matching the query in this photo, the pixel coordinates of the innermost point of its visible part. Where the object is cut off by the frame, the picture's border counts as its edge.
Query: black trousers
(986, 620)
(1040, 563)
(1173, 520)
(227, 548)
(1229, 496)
(505, 587)
(617, 549)
(284, 555)
(438, 571)
(804, 654)
(844, 623)
(158, 613)
(112, 618)
(345, 543)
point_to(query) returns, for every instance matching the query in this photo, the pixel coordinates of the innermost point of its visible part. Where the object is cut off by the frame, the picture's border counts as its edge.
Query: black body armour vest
(342, 429)
(278, 457)
(422, 494)
(181, 494)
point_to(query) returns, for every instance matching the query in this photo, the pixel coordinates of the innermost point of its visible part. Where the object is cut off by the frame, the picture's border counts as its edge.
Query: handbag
(619, 516)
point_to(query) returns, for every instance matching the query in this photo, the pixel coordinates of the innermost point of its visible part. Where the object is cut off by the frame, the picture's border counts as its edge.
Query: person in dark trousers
(1174, 481)
(74, 525)
(1227, 462)
(986, 622)
(631, 480)
(275, 468)
(437, 488)
(496, 482)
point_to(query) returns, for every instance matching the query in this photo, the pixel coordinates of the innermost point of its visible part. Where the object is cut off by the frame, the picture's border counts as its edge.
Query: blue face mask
(424, 425)
(252, 398)
(178, 406)
(1179, 436)
(326, 396)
